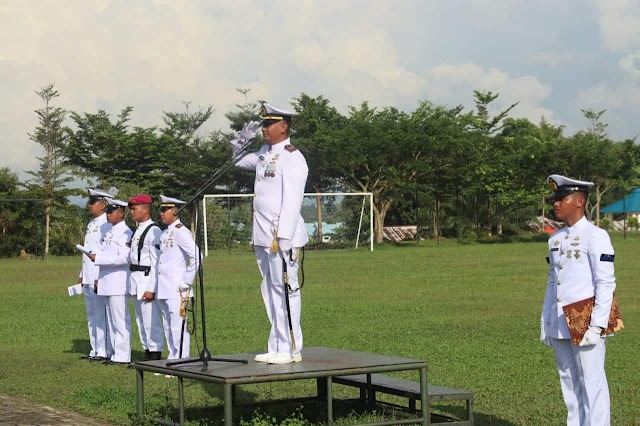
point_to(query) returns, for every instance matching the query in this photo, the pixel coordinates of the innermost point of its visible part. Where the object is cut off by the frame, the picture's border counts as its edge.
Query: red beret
(140, 199)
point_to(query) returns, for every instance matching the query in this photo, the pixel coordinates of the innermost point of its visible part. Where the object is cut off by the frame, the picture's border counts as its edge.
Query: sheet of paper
(83, 249)
(75, 289)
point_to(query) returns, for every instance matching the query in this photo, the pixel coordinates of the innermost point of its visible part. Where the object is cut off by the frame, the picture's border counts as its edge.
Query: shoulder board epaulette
(179, 225)
(290, 148)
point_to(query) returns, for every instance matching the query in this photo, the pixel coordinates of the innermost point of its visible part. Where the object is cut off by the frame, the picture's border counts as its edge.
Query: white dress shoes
(263, 357)
(284, 358)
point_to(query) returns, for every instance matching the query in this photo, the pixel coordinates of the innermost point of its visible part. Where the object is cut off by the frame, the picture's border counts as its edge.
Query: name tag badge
(607, 257)
(554, 249)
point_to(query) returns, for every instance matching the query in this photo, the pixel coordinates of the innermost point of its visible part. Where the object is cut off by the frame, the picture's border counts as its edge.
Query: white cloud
(449, 81)
(153, 55)
(619, 23)
(631, 64)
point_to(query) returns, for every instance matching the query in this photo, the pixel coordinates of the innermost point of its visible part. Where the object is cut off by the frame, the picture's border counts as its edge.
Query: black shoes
(109, 362)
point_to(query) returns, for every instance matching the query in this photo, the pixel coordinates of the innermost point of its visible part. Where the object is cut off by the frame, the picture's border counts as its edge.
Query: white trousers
(97, 322)
(119, 327)
(273, 295)
(173, 328)
(149, 324)
(583, 382)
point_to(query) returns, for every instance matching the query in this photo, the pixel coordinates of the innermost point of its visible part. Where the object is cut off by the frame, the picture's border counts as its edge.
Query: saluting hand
(249, 131)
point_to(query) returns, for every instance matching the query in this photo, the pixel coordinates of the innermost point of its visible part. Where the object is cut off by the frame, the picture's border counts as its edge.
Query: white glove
(591, 337)
(285, 246)
(184, 287)
(249, 131)
(544, 338)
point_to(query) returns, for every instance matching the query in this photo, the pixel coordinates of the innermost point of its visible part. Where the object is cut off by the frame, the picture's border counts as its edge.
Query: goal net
(332, 220)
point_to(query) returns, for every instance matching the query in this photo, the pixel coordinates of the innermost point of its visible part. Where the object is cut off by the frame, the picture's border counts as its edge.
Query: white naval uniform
(281, 175)
(113, 281)
(95, 305)
(581, 266)
(148, 318)
(177, 264)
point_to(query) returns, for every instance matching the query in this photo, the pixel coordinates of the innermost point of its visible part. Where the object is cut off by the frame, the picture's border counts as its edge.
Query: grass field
(471, 310)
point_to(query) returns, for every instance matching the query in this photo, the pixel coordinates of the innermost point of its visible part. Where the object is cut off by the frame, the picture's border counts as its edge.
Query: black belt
(140, 268)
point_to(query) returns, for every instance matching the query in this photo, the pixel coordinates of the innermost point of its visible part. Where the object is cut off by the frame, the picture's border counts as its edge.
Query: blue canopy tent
(629, 204)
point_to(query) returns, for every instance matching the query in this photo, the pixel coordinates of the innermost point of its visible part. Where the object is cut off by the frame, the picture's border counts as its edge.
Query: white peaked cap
(269, 111)
(97, 194)
(169, 200)
(119, 203)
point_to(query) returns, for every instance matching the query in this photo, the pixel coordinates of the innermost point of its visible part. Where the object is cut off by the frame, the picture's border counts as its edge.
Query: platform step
(397, 386)
(409, 389)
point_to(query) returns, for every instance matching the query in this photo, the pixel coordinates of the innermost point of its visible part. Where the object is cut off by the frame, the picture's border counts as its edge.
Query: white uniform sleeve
(249, 161)
(188, 247)
(294, 179)
(601, 260)
(548, 296)
(153, 239)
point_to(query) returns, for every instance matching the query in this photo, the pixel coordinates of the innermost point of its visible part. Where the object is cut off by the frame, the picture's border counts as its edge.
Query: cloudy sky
(554, 57)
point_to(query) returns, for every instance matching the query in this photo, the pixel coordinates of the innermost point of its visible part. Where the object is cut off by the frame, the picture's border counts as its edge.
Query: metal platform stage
(322, 364)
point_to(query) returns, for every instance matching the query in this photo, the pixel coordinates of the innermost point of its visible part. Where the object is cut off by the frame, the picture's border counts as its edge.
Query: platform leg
(140, 389)
(371, 396)
(180, 401)
(329, 401)
(424, 402)
(228, 405)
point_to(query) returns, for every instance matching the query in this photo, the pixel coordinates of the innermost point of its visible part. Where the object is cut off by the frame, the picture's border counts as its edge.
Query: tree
(316, 121)
(49, 181)
(595, 157)
(372, 152)
(489, 167)
(441, 151)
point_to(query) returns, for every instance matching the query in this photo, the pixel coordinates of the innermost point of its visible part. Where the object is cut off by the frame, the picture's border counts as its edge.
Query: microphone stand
(205, 355)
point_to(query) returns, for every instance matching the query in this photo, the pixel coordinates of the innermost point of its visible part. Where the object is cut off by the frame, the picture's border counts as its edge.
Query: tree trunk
(319, 214)
(436, 220)
(47, 220)
(379, 213)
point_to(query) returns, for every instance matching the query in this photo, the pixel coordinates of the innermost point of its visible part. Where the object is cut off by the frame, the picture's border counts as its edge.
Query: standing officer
(176, 271)
(143, 284)
(581, 266)
(113, 279)
(95, 305)
(278, 227)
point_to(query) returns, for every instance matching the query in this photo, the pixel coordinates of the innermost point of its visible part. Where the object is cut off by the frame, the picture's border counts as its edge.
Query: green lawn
(471, 310)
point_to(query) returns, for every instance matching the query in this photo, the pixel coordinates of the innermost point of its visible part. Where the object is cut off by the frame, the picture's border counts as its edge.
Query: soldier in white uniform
(581, 266)
(176, 271)
(278, 227)
(143, 283)
(95, 305)
(113, 281)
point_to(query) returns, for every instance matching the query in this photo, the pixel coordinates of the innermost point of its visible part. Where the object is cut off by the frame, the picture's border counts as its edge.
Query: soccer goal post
(332, 219)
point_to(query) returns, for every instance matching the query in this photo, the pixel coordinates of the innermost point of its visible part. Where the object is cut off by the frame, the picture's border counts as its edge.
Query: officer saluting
(143, 284)
(113, 279)
(176, 272)
(278, 228)
(581, 266)
(95, 305)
